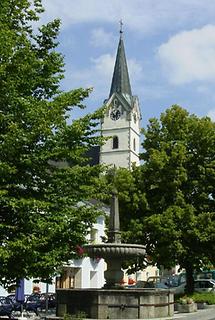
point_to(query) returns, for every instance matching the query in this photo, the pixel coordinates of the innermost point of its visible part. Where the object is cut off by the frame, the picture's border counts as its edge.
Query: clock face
(115, 114)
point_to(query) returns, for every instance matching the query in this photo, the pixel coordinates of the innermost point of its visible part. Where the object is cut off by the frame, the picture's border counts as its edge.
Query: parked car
(33, 303)
(51, 297)
(16, 304)
(160, 285)
(6, 307)
(37, 302)
(148, 285)
(200, 285)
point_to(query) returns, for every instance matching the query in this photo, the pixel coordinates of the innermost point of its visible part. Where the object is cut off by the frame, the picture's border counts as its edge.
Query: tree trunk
(189, 279)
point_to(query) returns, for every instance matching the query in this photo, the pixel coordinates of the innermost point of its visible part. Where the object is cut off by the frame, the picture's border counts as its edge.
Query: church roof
(120, 81)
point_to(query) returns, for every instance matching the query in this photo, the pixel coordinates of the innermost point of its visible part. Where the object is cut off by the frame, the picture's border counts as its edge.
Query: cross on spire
(121, 24)
(120, 80)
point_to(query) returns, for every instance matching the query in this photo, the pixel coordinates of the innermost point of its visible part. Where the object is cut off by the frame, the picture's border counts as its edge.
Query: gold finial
(121, 24)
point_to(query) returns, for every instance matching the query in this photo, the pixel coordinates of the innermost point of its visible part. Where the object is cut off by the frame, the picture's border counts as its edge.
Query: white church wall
(123, 136)
(108, 123)
(91, 271)
(121, 159)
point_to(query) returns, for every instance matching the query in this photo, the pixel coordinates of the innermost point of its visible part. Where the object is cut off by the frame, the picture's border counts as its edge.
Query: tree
(43, 168)
(176, 215)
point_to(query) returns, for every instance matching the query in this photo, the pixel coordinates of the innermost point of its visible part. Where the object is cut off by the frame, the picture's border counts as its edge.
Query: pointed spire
(120, 81)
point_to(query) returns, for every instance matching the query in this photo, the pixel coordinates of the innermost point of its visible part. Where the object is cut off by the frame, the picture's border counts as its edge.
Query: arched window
(134, 144)
(115, 142)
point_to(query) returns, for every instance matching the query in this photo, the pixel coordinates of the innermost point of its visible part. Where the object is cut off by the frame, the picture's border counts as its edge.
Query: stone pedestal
(113, 275)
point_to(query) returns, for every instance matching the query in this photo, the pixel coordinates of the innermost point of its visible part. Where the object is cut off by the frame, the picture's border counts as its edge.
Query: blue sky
(170, 49)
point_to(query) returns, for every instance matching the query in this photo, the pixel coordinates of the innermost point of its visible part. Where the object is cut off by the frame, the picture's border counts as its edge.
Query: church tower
(121, 121)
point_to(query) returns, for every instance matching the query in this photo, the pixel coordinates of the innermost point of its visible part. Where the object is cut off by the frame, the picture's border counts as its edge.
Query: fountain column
(114, 234)
(113, 275)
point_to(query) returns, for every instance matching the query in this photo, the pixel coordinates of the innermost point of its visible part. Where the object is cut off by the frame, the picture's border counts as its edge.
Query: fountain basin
(114, 254)
(116, 304)
(114, 250)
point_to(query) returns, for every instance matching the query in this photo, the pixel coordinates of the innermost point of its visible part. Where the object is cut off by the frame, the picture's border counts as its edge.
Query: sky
(169, 44)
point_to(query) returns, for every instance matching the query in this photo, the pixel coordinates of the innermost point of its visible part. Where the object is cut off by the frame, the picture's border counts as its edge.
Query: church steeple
(120, 81)
(121, 120)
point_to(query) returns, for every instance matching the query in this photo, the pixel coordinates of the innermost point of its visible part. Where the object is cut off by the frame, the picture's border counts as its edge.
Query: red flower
(131, 281)
(79, 250)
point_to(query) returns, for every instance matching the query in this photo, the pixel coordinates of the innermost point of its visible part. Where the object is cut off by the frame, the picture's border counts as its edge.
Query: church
(121, 121)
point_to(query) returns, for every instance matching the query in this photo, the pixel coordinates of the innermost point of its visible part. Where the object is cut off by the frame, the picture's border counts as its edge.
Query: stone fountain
(113, 301)
(114, 252)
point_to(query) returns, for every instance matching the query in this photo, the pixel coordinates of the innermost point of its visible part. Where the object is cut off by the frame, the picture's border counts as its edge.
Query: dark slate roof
(120, 80)
(93, 155)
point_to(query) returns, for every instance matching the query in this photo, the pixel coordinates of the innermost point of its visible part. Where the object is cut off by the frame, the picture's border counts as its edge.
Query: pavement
(201, 314)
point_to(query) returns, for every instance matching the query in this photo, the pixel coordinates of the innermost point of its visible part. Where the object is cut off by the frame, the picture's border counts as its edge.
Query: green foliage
(175, 214)
(43, 167)
(203, 297)
(207, 297)
(179, 175)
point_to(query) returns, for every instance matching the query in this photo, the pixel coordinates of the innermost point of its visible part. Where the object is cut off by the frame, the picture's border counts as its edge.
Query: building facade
(86, 272)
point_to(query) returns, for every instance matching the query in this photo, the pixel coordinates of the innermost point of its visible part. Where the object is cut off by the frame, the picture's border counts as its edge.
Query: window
(115, 142)
(93, 235)
(134, 144)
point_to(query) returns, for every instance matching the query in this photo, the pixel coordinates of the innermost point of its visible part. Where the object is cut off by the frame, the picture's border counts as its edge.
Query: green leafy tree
(43, 168)
(175, 216)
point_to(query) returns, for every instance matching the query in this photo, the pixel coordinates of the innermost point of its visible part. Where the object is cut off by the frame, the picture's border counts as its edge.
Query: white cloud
(101, 38)
(211, 114)
(103, 65)
(97, 75)
(141, 15)
(189, 56)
